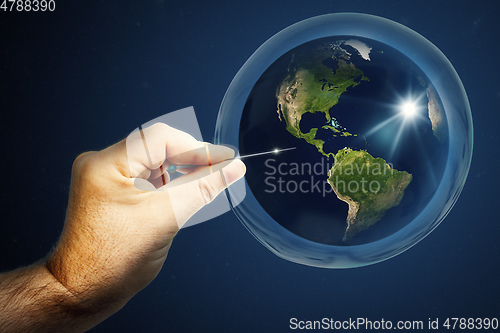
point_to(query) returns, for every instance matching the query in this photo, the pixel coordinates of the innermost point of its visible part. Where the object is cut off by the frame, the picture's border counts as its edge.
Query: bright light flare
(409, 109)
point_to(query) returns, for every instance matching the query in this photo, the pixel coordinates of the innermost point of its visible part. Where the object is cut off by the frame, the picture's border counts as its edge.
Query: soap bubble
(356, 81)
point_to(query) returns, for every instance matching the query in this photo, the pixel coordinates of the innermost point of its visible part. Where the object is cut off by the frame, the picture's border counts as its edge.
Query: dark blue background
(83, 77)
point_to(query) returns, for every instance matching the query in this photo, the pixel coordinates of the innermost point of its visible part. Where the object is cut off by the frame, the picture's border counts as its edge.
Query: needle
(274, 151)
(173, 168)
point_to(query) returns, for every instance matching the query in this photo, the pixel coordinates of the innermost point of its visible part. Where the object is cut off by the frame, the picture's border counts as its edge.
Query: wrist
(34, 300)
(87, 292)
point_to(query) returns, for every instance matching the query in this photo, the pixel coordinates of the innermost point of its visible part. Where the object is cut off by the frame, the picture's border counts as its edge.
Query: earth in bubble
(370, 137)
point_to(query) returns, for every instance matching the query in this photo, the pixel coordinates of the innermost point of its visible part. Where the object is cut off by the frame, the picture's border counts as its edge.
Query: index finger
(147, 149)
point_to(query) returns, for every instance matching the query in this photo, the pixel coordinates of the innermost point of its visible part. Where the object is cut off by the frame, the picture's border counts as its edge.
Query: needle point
(274, 151)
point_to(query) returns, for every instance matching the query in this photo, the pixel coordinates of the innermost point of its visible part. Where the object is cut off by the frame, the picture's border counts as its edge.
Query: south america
(368, 185)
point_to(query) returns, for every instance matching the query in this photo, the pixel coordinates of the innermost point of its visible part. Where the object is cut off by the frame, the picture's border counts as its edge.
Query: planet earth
(369, 137)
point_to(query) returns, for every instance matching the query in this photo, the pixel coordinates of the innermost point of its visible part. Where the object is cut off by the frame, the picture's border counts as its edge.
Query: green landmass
(331, 128)
(313, 87)
(337, 131)
(368, 185)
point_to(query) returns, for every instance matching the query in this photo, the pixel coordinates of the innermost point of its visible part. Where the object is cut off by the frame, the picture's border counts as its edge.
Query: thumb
(189, 193)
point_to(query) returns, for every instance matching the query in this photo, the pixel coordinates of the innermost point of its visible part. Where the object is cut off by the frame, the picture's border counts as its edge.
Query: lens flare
(409, 109)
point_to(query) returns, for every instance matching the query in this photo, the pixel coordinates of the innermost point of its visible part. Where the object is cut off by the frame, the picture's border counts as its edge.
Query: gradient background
(83, 77)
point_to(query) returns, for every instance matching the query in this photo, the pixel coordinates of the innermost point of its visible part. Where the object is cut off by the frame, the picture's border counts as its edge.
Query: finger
(191, 192)
(161, 180)
(185, 169)
(171, 168)
(161, 172)
(206, 154)
(149, 148)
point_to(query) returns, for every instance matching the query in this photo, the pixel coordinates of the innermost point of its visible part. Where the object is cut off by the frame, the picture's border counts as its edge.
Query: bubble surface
(410, 109)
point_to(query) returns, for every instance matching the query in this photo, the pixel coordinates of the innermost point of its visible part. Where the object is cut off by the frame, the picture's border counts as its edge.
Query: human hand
(116, 237)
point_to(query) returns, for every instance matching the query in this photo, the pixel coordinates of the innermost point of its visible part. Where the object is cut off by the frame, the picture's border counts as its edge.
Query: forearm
(33, 300)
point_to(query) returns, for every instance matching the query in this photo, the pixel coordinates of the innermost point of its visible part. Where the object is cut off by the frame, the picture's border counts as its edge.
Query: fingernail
(229, 151)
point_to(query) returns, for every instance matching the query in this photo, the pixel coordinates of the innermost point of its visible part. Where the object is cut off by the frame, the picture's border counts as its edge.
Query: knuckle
(158, 128)
(157, 157)
(85, 163)
(208, 191)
